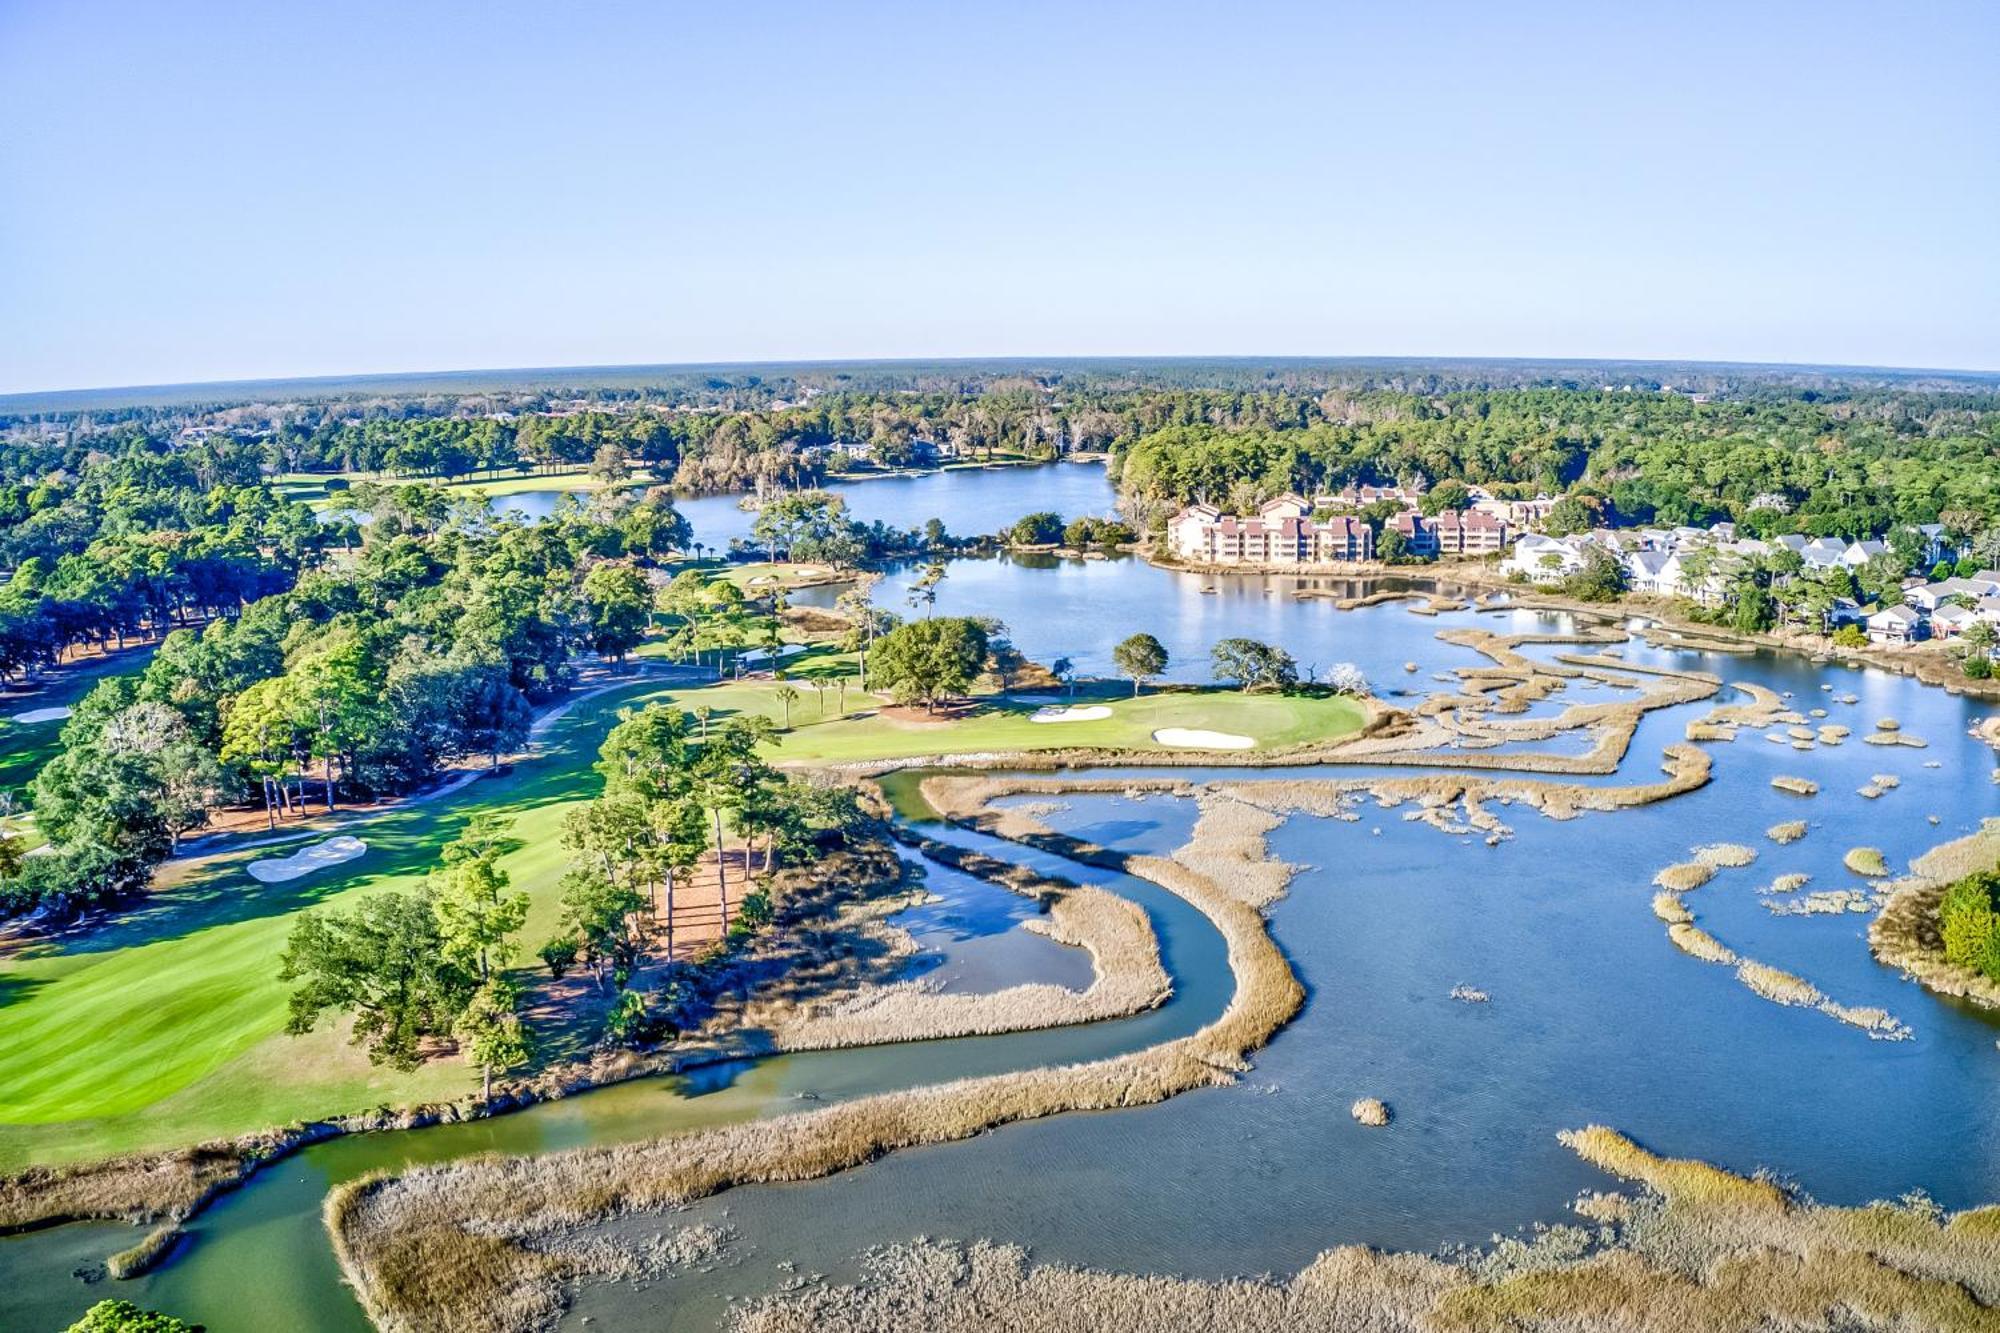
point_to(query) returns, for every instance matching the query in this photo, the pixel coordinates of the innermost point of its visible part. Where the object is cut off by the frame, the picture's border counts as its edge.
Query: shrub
(1850, 636)
(1969, 918)
(1979, 667)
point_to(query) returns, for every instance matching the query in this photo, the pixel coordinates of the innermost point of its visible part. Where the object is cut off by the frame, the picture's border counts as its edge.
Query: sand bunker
(278, 869)
(34, 715)
(1084, 713)
(1195, 738)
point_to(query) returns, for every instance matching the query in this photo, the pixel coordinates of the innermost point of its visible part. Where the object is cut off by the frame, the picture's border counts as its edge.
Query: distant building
(1280, 534)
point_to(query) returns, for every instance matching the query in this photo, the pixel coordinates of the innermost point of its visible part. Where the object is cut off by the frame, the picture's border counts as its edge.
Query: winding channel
(259, 1257)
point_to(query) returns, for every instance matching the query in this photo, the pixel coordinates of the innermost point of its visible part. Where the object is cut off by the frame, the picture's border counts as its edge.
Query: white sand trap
(34, 715)
(278, 869)
(1195, 738)
(1081, 713)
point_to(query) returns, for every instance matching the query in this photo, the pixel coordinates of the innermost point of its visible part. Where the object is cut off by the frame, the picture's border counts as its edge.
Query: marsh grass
(1788, 832)
(1777, 985)
(1117, 934)
(1670, 909)
(1701, 1251)
(1726, 855)
(1796, 786)
(139, 1259)
(1692, 939)
(1684, 876)
(1370, 1111)
(1906, 934)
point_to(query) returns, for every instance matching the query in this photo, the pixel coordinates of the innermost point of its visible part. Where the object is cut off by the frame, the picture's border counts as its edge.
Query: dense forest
(307, 677)
(1849, 465)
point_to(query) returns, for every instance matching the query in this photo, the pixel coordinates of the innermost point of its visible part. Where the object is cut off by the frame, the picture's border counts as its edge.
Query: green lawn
(310, 487)
(819, 731)
(25, 747)
(167, 1026)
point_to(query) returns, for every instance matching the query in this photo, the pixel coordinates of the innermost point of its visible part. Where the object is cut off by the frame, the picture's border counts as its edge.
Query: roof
(1901, 614)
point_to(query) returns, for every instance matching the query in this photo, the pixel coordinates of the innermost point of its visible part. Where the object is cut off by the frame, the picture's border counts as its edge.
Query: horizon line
(251, 382)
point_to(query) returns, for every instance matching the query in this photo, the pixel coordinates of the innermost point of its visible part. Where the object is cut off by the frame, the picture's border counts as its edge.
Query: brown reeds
(1700, 1251)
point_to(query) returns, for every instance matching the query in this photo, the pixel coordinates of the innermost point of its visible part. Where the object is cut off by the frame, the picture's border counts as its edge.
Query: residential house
(1948, 622)
(1543, 559)
(1860, 553)
(1896, 624)
(1646, 570)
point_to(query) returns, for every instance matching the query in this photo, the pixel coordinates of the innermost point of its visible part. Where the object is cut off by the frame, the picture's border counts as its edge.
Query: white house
(1897, 624)
(1860, 553)
(1646, 570)
(1543, 559)
(1948, 622)
(1823, 552)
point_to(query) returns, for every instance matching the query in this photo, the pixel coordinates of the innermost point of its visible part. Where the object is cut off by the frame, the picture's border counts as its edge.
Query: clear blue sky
(206, 191)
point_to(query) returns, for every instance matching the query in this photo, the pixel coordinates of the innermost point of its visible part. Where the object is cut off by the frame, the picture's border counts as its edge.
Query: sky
(199, 191)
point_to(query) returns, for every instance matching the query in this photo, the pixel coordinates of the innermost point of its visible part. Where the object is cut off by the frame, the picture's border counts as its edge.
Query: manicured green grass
(167, 1025)
(310, 487)
(820, 731)
(25, 747)
(765, 576)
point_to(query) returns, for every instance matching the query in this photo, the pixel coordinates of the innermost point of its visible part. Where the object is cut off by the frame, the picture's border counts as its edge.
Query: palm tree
(787, 696)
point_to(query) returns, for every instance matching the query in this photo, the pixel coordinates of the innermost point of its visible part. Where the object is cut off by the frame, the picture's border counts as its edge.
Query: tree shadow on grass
(215, 889)
(15, 988)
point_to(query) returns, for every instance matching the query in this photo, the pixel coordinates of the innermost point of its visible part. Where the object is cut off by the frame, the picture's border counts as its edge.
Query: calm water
(969, 501)
(1593, 1016)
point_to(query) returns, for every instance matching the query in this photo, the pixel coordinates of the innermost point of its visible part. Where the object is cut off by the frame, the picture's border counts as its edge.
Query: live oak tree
(1141, 657)
(927, 660)
(1252, 665)
(384, 962)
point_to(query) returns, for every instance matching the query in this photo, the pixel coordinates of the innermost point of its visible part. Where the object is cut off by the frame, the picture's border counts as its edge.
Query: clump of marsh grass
(1726, 854)
(1788, 832)
(1370, 1111)
(1789, 882)
(1776, 985)
(1684, 876)
(1469, 994)
(1796, 786)
(139, 1259)
(1866, 862)
(1868, 791)
(1896, 738)
(1692, 939)
(1886, 781)
(1669, 908)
